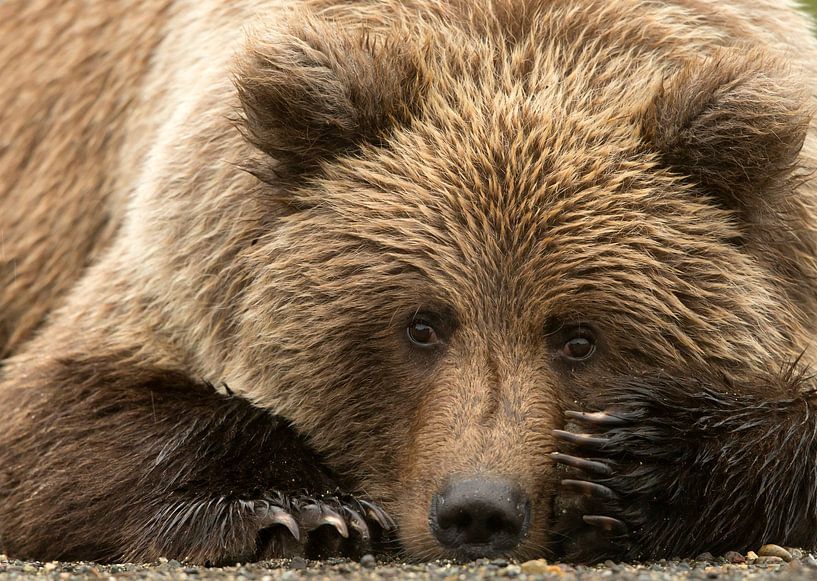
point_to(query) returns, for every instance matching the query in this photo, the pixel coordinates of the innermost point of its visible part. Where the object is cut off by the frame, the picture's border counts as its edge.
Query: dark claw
(609, 524)
(357, 522)
(597, 418)
(278, 516)
(316, 515)
(588, 488)
(584, 440)
(582, 464)
(378, 515)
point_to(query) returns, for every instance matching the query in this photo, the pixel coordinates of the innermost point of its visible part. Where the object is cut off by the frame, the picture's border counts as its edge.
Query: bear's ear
(734, 123)
(313, 89)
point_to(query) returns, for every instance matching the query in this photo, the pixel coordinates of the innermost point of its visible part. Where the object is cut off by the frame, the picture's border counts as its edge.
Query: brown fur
(97, 432)
(271, 212)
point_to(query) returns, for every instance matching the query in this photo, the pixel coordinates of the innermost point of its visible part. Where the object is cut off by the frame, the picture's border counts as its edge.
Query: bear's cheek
(470, 430)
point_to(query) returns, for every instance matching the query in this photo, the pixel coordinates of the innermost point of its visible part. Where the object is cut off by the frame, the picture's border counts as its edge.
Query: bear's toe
(320, 528)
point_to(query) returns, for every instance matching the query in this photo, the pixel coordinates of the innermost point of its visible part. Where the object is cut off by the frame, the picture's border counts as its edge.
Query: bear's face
(473, 241)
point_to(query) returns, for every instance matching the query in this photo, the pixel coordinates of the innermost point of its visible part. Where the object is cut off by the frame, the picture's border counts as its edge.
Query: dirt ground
(732, 566)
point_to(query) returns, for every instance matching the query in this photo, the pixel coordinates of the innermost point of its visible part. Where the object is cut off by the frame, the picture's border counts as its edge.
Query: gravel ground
(791, 564)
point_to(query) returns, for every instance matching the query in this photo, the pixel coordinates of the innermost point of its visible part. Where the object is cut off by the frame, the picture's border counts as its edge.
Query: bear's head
(477, 230)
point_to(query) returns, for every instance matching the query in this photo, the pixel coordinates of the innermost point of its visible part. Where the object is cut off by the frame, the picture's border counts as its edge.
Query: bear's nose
(480, 517)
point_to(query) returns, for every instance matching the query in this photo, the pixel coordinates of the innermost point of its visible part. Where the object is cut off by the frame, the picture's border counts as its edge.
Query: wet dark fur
(697, 466)
(198, 469)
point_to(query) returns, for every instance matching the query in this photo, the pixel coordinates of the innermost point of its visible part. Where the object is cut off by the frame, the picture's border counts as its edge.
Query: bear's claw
(588, 488)
(357, 523)
(604, 419)
(583, 464)
(275, 515)
(317, 514)
(607, 523)
(592, 504)
(309, 520)
(378, 515)
(580, 440)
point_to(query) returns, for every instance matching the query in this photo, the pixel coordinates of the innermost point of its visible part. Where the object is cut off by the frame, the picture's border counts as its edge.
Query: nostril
(463, 521)
(453, 519)
(496, 522)
(480, 517)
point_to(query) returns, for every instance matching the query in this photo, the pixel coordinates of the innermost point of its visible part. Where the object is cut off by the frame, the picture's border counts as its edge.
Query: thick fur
(212, 461)
(697, 466)
(183, 201)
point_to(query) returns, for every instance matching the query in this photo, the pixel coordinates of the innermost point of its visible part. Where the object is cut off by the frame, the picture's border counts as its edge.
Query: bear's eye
(580, 346)
(422, 333)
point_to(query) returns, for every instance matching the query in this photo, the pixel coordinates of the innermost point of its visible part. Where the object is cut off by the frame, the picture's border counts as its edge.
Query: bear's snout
(480, 516)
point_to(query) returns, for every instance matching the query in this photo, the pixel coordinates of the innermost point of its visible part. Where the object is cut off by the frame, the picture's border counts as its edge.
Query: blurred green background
(811, 5)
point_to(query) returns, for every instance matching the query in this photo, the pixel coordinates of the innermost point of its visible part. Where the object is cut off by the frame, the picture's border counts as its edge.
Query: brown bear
(508, 277)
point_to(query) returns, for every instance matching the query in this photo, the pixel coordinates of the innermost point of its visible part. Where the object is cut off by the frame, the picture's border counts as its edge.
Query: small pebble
(368, 561)
(768, 560)
(615, 567)
(705, 557)
(774, 551)
(535, 567)
(795, 553)
(751, 555)
(810, 561)
(500, 562)
(511, 571)
(297, 563)
(734, 557)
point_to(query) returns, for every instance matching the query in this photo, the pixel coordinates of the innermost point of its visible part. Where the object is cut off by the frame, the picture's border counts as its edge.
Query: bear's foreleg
(106, 460)
(677, 465)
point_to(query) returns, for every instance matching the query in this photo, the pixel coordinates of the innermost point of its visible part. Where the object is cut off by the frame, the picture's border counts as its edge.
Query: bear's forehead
(510, 157)
(530, 228)
(527, 193)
